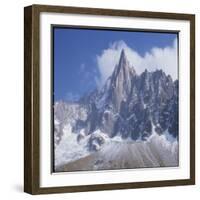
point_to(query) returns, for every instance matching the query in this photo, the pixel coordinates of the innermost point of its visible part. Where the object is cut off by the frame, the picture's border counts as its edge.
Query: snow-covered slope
(67, 114)
(114, 153)
(157, 151)
(69, 149)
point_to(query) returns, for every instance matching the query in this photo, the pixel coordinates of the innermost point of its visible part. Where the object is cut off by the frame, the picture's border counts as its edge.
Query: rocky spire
(121, 81)
(123, 62)
(123, 66)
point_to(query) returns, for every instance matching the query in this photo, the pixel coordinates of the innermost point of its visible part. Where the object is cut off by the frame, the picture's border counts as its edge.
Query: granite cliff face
(132, 105)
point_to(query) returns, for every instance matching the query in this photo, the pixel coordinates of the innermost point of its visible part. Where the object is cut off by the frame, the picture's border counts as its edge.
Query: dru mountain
(129, 107)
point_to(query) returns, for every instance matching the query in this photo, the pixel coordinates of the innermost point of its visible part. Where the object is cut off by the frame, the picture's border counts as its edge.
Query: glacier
(116, 153)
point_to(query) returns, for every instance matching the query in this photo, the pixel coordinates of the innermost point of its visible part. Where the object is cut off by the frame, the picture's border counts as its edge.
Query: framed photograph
(109, 99)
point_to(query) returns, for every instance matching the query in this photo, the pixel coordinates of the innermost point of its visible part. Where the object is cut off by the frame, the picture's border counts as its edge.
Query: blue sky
(78, 53)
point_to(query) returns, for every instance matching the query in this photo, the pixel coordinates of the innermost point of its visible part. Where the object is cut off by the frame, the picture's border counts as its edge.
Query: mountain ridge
(130, 105)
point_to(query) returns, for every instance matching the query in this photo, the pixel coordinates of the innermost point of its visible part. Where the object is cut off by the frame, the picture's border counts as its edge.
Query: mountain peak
(123, 61)
(123, 55)
(123, 65)
(121, 81)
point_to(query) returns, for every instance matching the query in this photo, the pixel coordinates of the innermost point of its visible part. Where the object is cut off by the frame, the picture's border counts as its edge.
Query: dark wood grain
(31, 100)
(28, 153)
(32, 91)
(192, 98)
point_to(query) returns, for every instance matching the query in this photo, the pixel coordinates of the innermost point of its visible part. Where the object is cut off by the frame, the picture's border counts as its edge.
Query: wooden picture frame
(32, 92)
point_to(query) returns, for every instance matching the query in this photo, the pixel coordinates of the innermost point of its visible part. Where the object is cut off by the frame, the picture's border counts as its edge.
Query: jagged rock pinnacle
(122, 56)
(124, 65)
(123, 62)
(121, 81)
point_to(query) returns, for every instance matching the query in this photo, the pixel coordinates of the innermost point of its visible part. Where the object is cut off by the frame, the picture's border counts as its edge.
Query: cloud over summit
(157, 58)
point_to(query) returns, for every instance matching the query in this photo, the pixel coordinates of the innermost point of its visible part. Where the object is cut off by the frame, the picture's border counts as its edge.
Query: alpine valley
(130, 122)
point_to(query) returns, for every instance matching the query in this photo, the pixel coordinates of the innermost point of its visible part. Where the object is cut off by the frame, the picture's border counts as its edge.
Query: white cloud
(156, 58)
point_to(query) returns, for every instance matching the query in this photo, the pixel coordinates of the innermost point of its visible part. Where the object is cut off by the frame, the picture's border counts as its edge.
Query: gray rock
(96, 141)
